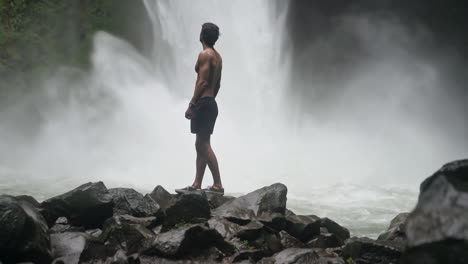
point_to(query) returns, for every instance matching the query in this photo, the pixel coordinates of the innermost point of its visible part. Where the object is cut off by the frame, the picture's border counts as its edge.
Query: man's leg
(200, 163)
(210, 159)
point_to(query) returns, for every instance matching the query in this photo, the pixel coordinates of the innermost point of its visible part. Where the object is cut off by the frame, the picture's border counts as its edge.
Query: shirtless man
(203, 110)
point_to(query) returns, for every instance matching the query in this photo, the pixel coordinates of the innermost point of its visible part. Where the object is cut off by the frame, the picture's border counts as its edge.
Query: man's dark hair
(209, 34)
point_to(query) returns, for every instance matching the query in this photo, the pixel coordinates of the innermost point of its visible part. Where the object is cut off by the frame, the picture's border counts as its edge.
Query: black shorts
(205, 114)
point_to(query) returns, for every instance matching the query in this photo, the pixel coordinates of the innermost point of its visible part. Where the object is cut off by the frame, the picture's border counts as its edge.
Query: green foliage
(36, 35)
(350, 260)
(181, 224)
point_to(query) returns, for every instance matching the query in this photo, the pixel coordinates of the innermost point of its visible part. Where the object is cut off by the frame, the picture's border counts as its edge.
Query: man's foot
(213, 189)
(186, 189)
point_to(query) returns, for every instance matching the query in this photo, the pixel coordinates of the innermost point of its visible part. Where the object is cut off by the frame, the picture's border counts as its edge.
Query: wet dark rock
(88, 206)
(396, 230)
(185, 241)
(94, 232)
(96, 251)
(288, 213)
(23, 232)
(326, 240)
(288, 241)
(366, 250)
(251, 231)
(303, 227)
(127, 233)
(293, 256)
(67, 247)
(262, 204)
(130, 202)
(210, 255)
(438, 228)
(225, 228)
(29, 199)
(162, 197)
(333, 227)
(58, 228)
(249, 256)
(216, 200)
(446, 251)
(188, 208)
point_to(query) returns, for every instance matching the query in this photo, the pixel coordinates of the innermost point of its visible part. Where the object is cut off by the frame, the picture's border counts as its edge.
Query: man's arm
(204, 72)
(218, 84)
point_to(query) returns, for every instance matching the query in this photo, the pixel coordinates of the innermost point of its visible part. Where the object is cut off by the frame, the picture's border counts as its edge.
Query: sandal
(186, 189)
(211, 189)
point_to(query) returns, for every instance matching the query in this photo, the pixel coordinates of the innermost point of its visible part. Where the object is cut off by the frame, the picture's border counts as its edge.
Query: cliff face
(37, 35)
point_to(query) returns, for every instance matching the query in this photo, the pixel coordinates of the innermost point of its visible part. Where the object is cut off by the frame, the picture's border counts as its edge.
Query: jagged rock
(216, 200)
(210, 255)
(288, 241)
(303, 227)
(67, 247)
(249, 256)
(333, 227)
(326, 240)
(446, 251)
(88, 206)
(224, 227)
(263, 204)
(162, 197)
(288, 213)
(293, 256)
(188, 240)
(130, 202)
(96, 251)
(396, 230)
(253, 236)
(127, 233)
(188, 208)
(23, 232)
(251, 231)
(437, 229)
(366, 250)
(29, 199)
(94, 232)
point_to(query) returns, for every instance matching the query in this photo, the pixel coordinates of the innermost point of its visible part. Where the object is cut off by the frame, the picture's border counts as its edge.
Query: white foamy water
(123, 122)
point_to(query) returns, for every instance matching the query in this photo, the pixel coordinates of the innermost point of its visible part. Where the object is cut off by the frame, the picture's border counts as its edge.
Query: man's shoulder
(207, 54)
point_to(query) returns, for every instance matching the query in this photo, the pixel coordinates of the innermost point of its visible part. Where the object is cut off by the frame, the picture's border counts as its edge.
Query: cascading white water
(123, 122)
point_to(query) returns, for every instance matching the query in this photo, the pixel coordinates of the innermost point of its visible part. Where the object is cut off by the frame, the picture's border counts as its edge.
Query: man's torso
(216, 65)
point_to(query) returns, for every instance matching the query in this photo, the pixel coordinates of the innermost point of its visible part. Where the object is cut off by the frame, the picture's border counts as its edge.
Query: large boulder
(130, 202)
(190, 208)
(23, 232)
(396, 230)
(303, 227)
(366, 250)
(342, 233)
(128, 233)
(216, 200)
(162, 197)
(187, 240)
(437, 229)
(293, 256)
(263, 204)
(89, 206)
(68, 246)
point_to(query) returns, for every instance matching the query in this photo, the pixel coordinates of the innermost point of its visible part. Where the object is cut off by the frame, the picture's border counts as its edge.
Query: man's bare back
(213, 62)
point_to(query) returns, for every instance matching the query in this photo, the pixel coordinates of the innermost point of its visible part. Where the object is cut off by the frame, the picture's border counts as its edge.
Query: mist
(362, 103)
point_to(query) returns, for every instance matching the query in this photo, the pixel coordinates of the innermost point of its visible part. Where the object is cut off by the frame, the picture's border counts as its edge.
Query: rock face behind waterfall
(437, 229)
(92, 224)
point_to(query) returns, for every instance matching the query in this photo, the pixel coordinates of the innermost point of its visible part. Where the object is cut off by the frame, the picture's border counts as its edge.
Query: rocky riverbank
(93, 224)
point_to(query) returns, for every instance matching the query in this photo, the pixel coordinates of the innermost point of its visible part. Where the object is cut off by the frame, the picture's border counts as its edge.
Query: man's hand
(189, 113)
